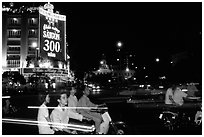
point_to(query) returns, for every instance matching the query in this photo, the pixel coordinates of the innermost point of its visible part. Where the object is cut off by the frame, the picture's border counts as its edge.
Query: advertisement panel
(52, 35)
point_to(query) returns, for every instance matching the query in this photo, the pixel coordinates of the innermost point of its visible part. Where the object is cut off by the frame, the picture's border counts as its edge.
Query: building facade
(20, 43)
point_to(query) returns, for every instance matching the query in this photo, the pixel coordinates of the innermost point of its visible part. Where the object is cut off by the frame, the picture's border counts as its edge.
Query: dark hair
(42, 96)
(173, 87)
(83, 87)
(60, 93)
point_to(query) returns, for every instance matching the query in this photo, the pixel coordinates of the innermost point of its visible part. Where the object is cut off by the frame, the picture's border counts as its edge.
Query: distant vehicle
(143, 90)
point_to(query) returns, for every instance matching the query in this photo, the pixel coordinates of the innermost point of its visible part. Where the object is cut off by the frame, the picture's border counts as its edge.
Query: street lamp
(157, 59)
(35, 45)
(119, 44)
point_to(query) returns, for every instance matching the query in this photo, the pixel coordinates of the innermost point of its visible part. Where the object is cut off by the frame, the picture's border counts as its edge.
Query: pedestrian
(85, 102)
(61, 115)
(43, 115)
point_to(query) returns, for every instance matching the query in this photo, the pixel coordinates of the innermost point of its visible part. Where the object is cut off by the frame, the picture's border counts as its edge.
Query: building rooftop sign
(52, 28)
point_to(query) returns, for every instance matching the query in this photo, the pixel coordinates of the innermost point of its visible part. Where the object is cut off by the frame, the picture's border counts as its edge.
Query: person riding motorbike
(101, 122)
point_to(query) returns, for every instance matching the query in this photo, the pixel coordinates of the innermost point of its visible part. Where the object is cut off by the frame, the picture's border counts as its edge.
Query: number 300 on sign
(51, 46)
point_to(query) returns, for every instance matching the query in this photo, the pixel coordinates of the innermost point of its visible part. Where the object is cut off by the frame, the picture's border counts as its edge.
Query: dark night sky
(147, 29)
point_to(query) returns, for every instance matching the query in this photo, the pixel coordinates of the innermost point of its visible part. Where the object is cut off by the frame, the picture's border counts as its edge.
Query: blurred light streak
(36, 107)
(33, 122)
(6, 97)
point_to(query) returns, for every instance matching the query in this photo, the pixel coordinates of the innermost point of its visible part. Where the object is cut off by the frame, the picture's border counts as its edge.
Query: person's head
(44, 97)
(86, 91)
(62, 99)
(6, 102)
(178, 88)
(73, 91)
(173, 87)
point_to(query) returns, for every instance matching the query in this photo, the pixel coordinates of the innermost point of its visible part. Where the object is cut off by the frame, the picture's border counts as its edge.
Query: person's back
(169, 96)
(43, 125)
(178, 96)
(191, 90)
(43, 115)
(72, 100)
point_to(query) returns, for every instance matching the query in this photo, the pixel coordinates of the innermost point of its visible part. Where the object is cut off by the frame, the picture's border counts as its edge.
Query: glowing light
(118, 59)
(127, 70)
(31, 66)
(34, 45)
(60, 65)
(46, 85)
(47, 64)
(33, 122)
(14, 30)
(157, 59)
(119, 44)
(6, 97)
(101, 62)
(54, 85)
(37, 107)
(109, 80)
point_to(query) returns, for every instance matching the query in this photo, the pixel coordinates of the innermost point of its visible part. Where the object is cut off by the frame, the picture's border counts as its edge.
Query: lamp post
(34, 45)
(119, 46)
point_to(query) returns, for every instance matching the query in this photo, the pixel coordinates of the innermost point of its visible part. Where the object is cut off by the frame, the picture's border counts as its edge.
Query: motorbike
(108, 126)
(115, 127)
(173, 118)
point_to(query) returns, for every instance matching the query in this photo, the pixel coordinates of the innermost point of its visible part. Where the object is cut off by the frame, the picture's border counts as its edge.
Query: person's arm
(90, 104)
(74, 115)
(172, 100)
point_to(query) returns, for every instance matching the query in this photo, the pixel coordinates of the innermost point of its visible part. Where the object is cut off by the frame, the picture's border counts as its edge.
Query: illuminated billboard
(52, 29)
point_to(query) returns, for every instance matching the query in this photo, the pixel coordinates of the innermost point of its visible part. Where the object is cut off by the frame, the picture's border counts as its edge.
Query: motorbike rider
(169, 95)
(178, 96)
(61, 115)
(101, 121)
(43, 115)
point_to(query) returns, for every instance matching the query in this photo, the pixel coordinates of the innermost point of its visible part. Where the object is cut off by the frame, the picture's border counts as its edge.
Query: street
(141, 117)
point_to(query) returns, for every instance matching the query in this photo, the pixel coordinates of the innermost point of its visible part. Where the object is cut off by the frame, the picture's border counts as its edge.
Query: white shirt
(43, 125)
(178, 97)
(169, 93)
(60, 116)
(72, 102)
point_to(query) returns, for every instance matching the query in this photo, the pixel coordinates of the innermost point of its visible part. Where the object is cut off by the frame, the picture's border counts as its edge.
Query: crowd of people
(68, 108)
